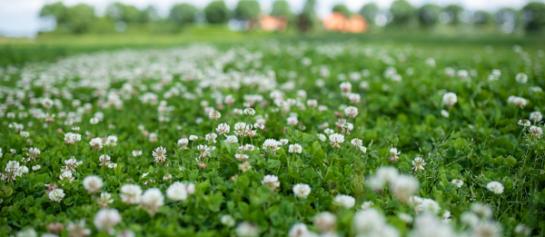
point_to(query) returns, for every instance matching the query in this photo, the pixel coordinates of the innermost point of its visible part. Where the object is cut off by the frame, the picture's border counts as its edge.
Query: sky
(20, 17)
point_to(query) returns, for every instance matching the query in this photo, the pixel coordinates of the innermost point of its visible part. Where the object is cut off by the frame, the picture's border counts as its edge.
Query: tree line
(83, 18)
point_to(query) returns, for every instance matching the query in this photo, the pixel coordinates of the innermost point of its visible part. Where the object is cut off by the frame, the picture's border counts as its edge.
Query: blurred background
(31, 18)
(126, 23)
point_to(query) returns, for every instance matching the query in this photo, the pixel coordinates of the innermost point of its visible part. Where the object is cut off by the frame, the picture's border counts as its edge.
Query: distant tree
(183, 14)
(402, 12)
(428, 15)
(80, 18)
(150, 14)
(216, 12)
(453, 12)
(507, 19)
(281, 8)
(482, 18)
(534, 17)
(306, 20)
(57, 11)
(370, 11)
(124, 13)
(247, 10)
(341, 9)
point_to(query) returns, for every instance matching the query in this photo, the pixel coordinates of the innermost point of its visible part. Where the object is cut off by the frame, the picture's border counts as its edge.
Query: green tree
(57, 11)
(306, 20)
(216, 12)
(428, 15)
(281, 8)
(370, 11)
(80, 18)
(508, 19)
(453, 12)
(534, 17)
(124, 13)
(481, 18)
(150, 14)
(247, 10)
(341, 9)
(402, 13)
(183, 13)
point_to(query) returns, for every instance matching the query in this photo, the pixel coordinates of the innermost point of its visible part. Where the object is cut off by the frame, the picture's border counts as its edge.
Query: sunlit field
(319, 136)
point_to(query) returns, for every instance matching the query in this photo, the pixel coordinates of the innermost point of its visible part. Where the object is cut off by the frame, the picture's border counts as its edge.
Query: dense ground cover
(274, 138)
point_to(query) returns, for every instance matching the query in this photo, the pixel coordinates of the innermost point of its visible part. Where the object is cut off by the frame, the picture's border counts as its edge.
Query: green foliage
(403, 13)
(482, 18)
(428, 15)
(281, 8)
(534, 17)
(183, 13)
(247, 10)
(124, 13)
(216, 12)
(307, 19)
(453, 11)
(370, 11)
(341, 9)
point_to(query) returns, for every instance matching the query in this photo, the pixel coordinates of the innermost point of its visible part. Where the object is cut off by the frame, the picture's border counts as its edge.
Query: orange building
(271, 23)
(340, 23)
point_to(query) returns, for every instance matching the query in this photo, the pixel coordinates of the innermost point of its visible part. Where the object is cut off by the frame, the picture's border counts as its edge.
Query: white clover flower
(136, 153)
(295, 148)
(427, 225)
(183, 142)
(78, 229)
(223, 128)
(517, 101)
(111, 141)
(96, 143)
(345, 87)
(107, 219)
(227, 220)
(535, 131)
(151, 200)
(33, 153)
(536, 116)
(403, 187)
(56, 195)
(92, 184)
(301, 190)
(521, 78)
(449, 99)
(231, 139)
(457, 183)
(298, 230)
(271, 182)
(131, 193)
(495, 187)
(246, 229)
(104, 200)
(66, 175)
(336, 140)
(292, 120)
(394, 154)
(351, 111)
(345, 201)
(271, 145)
(418, 163)
(481, 210)
(487, 229)
(159, 154)
(325, 221)
(179, 191)
(424, 205)
(369, 221)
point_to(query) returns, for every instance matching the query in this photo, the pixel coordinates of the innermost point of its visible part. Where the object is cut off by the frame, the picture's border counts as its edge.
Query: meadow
(260, 135)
